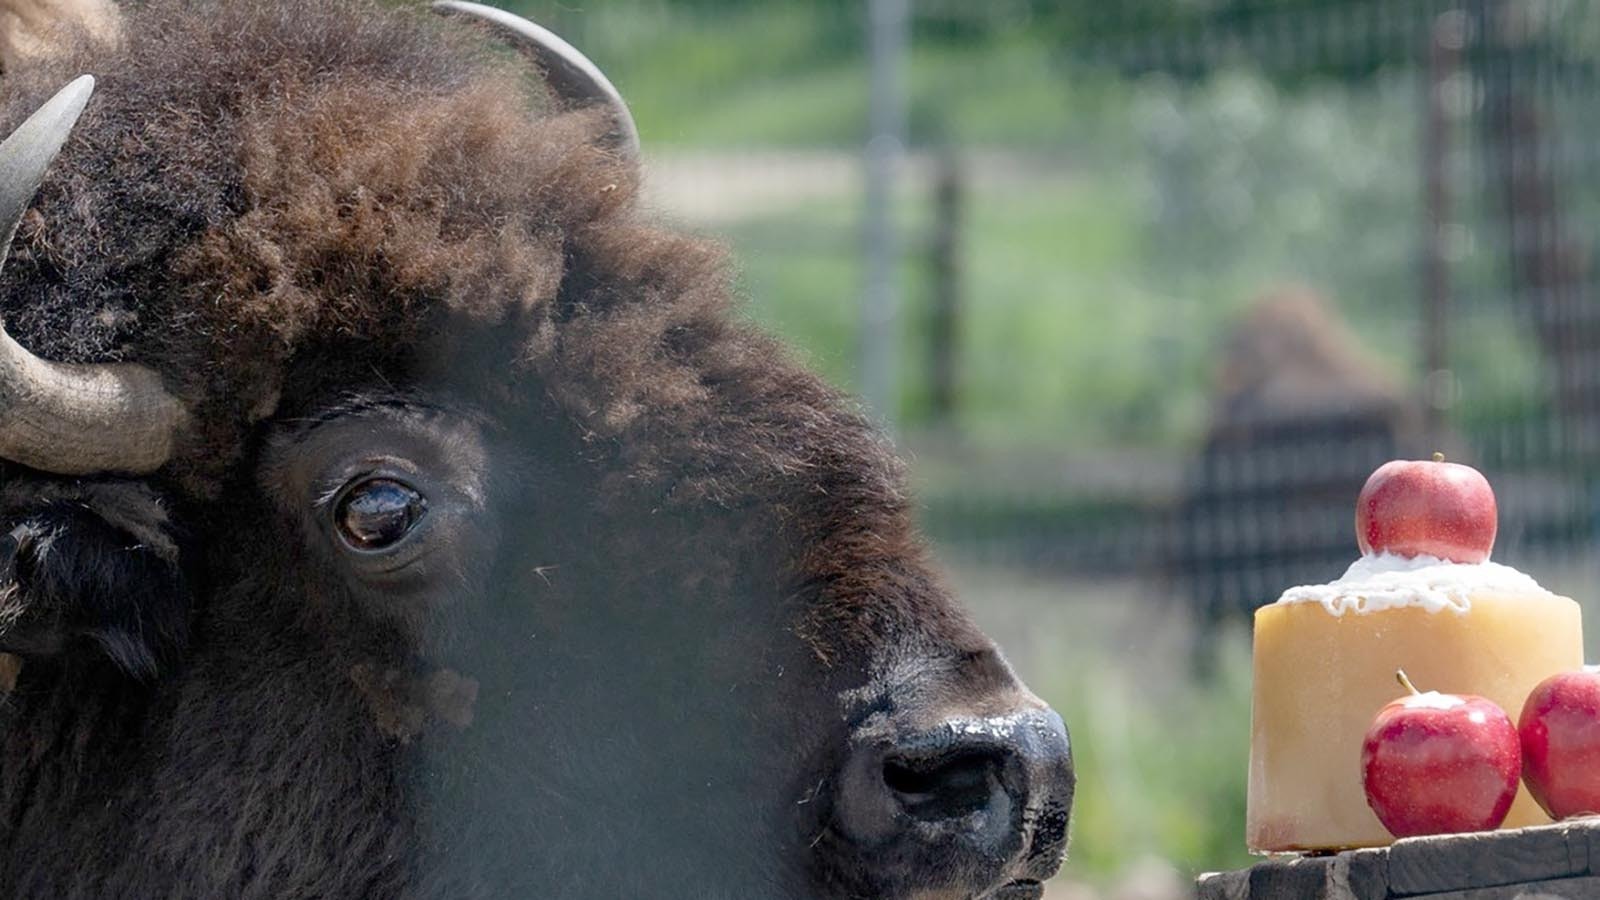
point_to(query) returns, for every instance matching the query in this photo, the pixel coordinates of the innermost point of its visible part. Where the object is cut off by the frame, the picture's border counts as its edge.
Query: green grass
(1057, 339)
(1162, 767)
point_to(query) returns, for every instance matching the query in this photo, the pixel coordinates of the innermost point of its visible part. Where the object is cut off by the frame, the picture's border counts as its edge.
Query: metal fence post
(944, 269)
(1446, 39)
(888, 24)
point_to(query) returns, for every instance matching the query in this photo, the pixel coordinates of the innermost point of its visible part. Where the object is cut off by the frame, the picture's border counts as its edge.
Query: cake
(1325, 658)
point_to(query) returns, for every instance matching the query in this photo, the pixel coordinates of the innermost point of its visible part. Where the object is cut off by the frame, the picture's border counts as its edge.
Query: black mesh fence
(1174, 276)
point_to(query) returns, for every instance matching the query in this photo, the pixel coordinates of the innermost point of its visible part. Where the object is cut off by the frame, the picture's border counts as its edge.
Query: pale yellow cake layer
(1320, 679)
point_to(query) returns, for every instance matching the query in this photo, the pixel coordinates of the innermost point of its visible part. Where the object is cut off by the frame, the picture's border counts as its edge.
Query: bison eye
(378, 513)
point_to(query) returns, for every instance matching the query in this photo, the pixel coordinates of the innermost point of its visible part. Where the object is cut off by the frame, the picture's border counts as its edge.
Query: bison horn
(570, 74)
(59, 417)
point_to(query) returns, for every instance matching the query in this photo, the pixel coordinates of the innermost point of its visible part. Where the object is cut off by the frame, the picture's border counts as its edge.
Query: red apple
(1427, 507)
(1560, 729)
(1440, 763)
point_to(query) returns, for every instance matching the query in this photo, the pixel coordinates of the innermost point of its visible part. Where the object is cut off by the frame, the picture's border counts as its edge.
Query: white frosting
(1433, 700)
(1385, 581)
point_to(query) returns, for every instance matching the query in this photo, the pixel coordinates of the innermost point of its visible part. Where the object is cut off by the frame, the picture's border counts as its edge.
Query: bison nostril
(974, 806)
(947, 788)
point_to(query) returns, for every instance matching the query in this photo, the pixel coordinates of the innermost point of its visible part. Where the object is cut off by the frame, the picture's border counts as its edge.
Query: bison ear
(569, 73)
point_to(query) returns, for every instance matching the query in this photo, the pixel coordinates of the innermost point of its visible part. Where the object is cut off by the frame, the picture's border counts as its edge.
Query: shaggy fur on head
(297, 182)
(263, 199)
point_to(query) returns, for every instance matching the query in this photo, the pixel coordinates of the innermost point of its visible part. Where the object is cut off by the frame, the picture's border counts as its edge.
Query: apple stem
(1438, 456)
(1400, 676)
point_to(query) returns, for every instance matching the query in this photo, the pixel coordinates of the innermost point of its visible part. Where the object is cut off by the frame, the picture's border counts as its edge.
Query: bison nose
(971, 805)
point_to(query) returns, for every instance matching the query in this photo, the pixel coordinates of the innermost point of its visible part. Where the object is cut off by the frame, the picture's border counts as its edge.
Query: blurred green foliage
(1100, 286)
(1132, 189)
(1101, 281)
(1164, 764)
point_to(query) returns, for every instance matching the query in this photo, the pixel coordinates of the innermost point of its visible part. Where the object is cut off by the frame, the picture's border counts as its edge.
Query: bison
(1300, 417)
(390, 510)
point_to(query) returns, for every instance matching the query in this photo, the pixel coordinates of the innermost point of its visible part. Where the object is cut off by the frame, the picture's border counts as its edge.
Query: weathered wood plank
(1223, 885)
(1431, 865)
(1348, 876)
(1366, 873)
(1587, 888)
(1562, 860)
(1311, 877)
(1587, 829)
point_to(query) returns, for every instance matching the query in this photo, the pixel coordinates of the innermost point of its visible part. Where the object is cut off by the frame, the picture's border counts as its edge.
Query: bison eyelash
(330, 491)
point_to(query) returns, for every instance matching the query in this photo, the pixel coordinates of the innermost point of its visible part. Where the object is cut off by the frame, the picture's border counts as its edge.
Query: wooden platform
(1550, 862)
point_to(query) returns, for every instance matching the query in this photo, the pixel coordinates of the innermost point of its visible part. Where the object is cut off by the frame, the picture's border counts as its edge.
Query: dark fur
(685, 567)
(71, 575)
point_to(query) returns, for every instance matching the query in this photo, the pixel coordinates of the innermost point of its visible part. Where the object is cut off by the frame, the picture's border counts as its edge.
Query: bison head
(400, 514)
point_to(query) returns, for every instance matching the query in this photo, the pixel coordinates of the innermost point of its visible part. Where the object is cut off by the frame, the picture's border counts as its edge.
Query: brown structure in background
(1300, 417)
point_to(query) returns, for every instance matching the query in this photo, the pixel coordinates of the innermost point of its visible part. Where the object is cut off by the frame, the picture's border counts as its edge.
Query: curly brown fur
(306, 185)
(295, 179)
